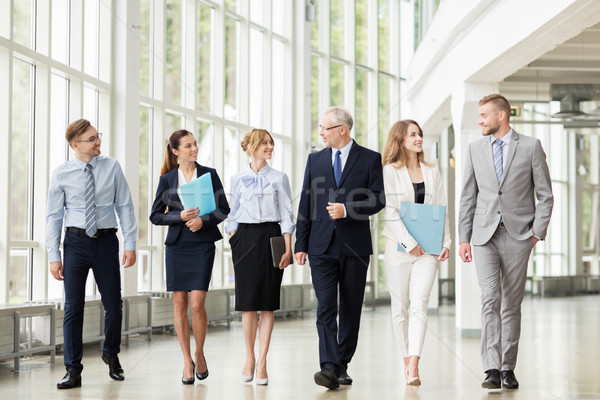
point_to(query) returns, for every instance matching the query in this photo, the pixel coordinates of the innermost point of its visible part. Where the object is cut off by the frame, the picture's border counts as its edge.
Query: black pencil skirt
(257, 282)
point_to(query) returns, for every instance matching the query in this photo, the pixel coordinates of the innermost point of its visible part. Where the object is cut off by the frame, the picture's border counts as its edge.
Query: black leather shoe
(344, 378)
(115, 371)
(189, 381)
(509, 381)
(202, 375)
(327, 377)
(71, 380)
(492, 379)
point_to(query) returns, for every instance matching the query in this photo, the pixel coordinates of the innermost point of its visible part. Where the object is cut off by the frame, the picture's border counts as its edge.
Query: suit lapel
(512, 148)
(352, 157)
(489, 156)
(173, 196)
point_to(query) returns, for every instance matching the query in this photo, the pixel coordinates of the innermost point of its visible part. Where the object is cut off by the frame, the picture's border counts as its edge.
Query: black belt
(99, 233)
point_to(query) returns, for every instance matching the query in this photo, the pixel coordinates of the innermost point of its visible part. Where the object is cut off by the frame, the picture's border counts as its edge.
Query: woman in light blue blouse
(261, 208)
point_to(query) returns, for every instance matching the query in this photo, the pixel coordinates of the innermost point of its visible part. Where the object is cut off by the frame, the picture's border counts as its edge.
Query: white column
(125, 107)
(464, 108)
(301, 65)
(5, 154)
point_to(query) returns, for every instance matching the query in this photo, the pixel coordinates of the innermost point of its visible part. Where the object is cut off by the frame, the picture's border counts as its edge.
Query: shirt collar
(81, 164)
(506, 139)
(263, 171)
(345, 150)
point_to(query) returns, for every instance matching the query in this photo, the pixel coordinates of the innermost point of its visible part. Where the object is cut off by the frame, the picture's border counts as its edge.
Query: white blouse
(263, 196)
(182, 181)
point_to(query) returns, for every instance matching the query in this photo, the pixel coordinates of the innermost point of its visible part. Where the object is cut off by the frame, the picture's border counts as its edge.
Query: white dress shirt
(257, 197)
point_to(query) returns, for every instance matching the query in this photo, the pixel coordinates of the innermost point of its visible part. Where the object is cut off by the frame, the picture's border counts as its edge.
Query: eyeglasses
(93, 139)
(331, 127)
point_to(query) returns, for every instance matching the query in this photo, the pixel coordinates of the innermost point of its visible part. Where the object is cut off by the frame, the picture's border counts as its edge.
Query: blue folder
(199, 193)
(425, 223)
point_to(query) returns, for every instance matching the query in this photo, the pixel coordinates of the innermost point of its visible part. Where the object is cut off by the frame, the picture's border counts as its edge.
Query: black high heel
(190, 381)
(202, 375)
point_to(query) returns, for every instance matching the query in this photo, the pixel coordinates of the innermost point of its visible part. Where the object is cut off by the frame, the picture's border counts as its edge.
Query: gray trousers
(501, 266)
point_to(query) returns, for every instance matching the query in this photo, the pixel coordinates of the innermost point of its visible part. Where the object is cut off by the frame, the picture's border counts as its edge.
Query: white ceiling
(576, 61)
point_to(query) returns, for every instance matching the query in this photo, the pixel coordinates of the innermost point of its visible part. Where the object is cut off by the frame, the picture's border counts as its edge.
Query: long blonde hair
(393, 151)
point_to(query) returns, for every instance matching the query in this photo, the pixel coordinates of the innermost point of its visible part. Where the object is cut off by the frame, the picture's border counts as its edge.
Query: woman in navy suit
(190, 244)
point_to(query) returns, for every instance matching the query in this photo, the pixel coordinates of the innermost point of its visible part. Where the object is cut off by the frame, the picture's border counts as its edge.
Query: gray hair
(341, 116)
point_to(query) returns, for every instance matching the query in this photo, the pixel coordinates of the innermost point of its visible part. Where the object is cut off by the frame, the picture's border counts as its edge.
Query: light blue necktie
(90, 203)
(337, 168)
(498, 159)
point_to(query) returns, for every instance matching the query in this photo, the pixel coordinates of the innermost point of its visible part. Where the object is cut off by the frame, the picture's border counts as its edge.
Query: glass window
(90, 105)
(231, 68)
(385, 31)
(278, 16)
(17, 276)
(22, 23)
(278, 87)
(314, 99)
(256, 78)
(205, 64)
(362, 31)
(337, 15)
(232, 152)
(22, 100)
(144, 168)
(205, 140)
(91, 37)
(144, 262)
(60, 31)
(361, 117)
(173, 122)
(173, 64)
(315, 28)
(59, 120)
(385, 96)
(257, 10)
(338, 79)
(146, 46)
(233, 5)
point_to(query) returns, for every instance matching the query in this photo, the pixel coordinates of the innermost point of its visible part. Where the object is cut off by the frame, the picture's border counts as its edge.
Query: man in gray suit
(499, 216)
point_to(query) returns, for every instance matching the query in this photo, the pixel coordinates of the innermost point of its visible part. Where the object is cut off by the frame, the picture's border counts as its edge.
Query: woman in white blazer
(410, 272)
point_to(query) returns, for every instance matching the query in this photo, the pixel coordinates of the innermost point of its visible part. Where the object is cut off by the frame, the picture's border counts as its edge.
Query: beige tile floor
(559, 359)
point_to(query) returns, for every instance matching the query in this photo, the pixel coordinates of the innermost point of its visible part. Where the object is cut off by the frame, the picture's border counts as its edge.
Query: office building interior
(140, 69)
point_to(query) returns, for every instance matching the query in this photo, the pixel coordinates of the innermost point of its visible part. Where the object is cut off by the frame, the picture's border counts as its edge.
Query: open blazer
(166, 196)
(398, 189)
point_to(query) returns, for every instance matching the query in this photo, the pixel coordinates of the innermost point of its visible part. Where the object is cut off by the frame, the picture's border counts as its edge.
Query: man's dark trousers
(329, 270)
(102, 256)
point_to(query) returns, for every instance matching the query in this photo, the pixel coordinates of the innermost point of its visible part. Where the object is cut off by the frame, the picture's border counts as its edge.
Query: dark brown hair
(170, 162)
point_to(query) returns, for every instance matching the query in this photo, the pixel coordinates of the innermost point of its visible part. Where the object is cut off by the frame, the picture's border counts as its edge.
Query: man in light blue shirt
(84, 194)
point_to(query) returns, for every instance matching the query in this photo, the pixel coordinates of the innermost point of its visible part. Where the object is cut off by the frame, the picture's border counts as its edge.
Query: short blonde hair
(499, 102)
(253, 138)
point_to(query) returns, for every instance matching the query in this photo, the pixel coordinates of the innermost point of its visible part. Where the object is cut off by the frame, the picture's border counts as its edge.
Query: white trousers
(410, 280)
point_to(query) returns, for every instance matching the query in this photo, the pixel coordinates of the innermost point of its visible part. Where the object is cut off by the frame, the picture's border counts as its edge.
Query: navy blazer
(360, 190)
(166, 196)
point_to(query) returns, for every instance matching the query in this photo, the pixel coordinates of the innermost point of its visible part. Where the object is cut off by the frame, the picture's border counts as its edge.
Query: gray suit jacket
(483, 201)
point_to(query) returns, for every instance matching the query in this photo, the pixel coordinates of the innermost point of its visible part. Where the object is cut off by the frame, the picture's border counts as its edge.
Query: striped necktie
(90, 203)
(498, 159)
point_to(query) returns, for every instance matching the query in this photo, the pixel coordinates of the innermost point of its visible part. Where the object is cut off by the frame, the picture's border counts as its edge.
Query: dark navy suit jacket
(361, 192)
(166, 196)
